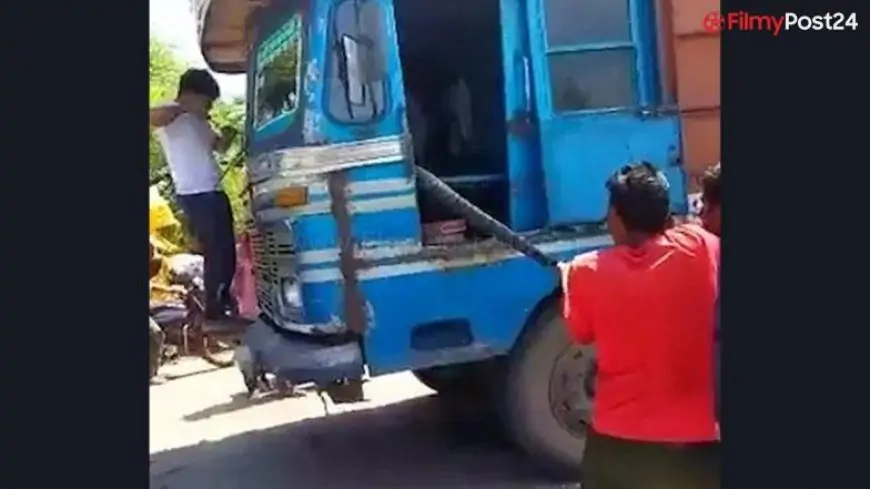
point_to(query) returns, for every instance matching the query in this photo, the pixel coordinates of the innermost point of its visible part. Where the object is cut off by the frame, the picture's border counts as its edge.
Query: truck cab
(523, 107)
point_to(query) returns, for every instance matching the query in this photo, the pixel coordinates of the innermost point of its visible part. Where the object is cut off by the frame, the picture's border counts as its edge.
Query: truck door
(597, 101)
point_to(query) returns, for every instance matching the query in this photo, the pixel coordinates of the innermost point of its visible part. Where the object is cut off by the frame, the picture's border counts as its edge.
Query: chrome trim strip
(371, 252)
(332, 274)
(313, 160)
(333, 327)
(408, 201)
(318, 188)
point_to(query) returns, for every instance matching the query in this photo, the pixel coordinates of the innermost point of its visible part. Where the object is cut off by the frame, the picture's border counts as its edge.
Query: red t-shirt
(649, 311)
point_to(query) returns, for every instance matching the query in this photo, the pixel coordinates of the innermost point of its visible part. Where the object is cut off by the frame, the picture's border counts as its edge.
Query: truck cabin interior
(451, 62)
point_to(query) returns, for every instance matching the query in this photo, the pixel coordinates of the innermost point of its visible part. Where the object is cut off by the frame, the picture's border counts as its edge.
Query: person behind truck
(647, 305)
(189, 142)
(711, 199)
(711, 216)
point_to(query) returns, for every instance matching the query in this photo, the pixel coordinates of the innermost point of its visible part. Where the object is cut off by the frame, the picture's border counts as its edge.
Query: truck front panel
(342, 232)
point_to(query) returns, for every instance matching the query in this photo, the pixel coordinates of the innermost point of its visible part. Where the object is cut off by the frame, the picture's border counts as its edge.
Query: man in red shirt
(647, 304)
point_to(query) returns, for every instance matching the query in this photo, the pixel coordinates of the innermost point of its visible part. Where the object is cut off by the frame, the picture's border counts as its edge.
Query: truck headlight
(290, 299)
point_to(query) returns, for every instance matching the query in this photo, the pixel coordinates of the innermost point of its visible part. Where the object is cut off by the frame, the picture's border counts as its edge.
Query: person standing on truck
(647, 305)
(189, 143)
(711, 216)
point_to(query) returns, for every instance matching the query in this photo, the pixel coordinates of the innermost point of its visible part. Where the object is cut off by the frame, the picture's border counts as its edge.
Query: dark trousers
(611, 463)
(211, 222)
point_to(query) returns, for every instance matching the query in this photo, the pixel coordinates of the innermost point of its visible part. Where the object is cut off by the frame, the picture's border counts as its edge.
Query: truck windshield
(277, 76)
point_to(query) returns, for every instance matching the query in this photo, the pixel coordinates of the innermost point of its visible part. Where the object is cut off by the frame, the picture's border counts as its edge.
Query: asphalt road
(206, 435)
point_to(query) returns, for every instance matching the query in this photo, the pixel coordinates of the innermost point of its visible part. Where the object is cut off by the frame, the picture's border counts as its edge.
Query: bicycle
(184, 325)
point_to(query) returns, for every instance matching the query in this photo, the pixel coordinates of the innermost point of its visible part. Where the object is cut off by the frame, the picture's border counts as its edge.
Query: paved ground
(204, 435)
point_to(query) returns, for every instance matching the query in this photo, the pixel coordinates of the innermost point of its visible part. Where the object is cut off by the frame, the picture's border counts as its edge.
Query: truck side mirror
(354, 54)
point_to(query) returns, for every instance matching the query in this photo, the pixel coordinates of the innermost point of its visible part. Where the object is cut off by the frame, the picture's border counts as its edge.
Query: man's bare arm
(164, 115)
(576, 279)
(224, 139)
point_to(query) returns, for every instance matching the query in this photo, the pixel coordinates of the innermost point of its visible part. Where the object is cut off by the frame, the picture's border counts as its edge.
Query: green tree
(163, 73)
(228, 117)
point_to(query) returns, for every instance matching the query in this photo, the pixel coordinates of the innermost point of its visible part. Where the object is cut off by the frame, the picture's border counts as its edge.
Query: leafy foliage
(163, 72)
(228, 117)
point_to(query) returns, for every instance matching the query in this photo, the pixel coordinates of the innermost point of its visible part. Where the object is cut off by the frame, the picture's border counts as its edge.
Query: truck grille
(273, 260)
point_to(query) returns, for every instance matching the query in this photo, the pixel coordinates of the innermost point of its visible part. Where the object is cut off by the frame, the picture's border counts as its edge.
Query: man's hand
(564, 268)
(224, 138)
(164, 115)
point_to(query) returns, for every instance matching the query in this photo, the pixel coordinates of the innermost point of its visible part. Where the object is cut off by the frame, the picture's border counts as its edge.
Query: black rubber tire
(481, 379)
(527, 415)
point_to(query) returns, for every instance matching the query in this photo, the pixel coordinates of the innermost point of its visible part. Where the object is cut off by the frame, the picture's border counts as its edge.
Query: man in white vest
(189, 143)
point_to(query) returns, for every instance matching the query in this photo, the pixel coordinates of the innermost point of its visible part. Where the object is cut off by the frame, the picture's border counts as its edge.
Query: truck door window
(276, 76)
(356, 73)
(590, 54)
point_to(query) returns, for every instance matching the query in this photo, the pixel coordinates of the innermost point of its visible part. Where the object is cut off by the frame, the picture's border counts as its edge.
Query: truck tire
(547, 396)
(460, 379)
(440, 379)
(477, 379)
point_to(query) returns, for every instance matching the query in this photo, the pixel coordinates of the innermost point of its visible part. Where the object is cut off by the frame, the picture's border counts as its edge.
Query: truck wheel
(548, 395)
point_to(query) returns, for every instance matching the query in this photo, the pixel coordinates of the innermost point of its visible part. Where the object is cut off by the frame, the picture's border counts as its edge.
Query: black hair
(711, 185)
(639, 195)
(199, 82)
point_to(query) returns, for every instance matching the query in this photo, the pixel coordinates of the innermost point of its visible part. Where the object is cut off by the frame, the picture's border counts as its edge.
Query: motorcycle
(184, 326)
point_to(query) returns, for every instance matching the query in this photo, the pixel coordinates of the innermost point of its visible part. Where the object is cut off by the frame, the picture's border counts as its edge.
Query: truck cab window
(357, 92)
(277, 74)
(591, 54)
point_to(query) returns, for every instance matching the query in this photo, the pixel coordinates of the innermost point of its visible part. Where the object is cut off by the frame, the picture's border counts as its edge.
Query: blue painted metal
(495, 296)
(392, 122)
(557, 166)
(528, 205)
(581, 149)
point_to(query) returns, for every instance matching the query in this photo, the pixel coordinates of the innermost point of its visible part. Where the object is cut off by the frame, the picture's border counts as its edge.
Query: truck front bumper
(296, 358)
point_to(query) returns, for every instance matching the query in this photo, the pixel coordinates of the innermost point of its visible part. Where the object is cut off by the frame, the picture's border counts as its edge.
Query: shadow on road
(239, 401)
(416, 443)
(190, 374)
(183, 367)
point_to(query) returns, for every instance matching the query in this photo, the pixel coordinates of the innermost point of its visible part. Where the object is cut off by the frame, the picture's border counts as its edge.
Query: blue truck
(522, 107)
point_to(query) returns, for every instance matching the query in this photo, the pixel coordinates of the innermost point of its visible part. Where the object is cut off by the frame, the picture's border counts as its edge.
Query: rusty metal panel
(688, 15)
(665, 39)
(222, 27)
(701, 143)
(693, 55)
(698, 72)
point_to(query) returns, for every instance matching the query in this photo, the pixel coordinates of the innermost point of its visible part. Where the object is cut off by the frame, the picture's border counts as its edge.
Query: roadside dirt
(205, 435)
